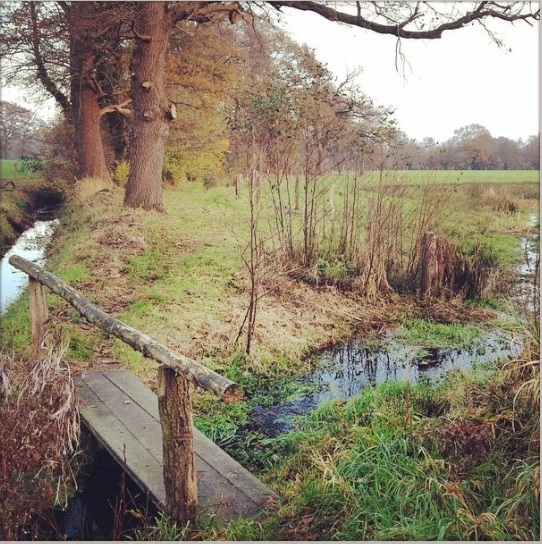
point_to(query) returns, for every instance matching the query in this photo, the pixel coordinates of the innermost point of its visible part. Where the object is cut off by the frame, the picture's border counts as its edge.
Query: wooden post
(238, 183)
(174, 406)
(38, 316)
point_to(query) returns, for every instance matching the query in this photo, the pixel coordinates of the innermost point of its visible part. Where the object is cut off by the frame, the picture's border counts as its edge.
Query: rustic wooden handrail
(174, 401)
(191, 370)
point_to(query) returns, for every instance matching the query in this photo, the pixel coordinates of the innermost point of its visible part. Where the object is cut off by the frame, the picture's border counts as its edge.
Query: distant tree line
(471, 148)
(22, 132)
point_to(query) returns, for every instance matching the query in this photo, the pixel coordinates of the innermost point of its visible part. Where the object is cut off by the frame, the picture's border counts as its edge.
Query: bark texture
(152, 111)
(38, 316)
(175, 411)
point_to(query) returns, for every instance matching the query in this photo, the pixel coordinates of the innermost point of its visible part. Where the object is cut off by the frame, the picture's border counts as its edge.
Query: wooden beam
(38, 316)
(175, 411)
(193, 371)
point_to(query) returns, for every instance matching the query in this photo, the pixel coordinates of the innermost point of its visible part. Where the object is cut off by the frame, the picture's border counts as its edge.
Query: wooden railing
(175, 375)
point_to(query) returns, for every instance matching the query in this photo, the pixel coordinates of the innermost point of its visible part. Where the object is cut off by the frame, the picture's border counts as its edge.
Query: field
(14, 169)
(395, 463)
(469, 176)
(11, 169)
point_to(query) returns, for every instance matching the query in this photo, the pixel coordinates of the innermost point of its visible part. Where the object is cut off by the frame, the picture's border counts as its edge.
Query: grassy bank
(15, 206)
(369, 468)
(18, 202)
(460, 462)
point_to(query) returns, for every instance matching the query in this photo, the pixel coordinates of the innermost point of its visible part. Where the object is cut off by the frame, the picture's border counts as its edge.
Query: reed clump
(38, 440)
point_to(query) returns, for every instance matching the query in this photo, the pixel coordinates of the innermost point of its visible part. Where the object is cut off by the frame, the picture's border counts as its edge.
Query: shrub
(121, 173)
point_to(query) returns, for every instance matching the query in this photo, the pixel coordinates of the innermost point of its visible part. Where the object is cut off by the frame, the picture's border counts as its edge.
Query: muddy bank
(21, 206)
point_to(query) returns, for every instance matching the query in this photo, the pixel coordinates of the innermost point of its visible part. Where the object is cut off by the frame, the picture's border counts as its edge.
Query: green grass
(423, 333)
(469, 176)
(14, 169)
(8, 169)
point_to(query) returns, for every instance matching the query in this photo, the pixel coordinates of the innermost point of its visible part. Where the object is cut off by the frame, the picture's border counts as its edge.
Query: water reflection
(345, 371)
(30, 245)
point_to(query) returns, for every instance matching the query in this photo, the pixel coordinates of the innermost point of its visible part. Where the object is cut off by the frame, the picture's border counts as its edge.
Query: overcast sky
(461, 79)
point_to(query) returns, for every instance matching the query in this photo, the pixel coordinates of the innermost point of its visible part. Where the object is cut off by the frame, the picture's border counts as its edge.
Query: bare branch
(43, 74)
(139, 36)
(120, 108)
(483, 11)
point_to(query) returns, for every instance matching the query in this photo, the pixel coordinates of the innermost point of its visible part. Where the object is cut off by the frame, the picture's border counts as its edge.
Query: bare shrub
(499, 201)
(38, 439)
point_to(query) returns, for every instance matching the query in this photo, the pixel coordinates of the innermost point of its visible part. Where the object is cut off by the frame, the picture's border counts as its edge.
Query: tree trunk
(152, 110)
(85, 95)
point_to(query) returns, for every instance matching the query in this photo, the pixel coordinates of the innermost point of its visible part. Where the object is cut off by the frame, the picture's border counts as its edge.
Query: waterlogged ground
(342, 372)
(350, 367)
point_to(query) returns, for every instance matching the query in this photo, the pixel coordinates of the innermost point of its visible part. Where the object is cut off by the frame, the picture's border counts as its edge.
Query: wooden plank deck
(123, 414)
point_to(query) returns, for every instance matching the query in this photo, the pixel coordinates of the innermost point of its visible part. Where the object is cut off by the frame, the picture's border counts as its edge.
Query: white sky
(461, 79)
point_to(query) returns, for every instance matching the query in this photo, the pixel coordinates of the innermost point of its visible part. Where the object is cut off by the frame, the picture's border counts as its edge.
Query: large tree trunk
(152, 111)
(85, 95)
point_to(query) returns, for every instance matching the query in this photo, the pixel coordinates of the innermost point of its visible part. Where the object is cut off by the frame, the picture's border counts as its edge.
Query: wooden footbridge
(123, 415)
(182, 471)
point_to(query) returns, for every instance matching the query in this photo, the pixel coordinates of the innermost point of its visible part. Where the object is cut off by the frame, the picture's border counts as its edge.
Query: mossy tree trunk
(152, 111)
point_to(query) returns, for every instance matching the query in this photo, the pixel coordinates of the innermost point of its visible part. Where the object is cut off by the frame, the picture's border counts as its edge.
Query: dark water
(350, 367)
(108, 506)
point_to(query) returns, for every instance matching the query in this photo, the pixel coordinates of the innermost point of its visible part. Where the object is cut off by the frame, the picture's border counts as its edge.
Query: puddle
(346, 370)
(31, 245)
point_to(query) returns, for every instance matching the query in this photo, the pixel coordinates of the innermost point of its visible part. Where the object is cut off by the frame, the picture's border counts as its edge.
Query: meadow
(470, 176)
(397, 462)
(14, 169)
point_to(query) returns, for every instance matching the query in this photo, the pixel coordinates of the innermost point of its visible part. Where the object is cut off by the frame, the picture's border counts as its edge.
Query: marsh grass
(424, 333)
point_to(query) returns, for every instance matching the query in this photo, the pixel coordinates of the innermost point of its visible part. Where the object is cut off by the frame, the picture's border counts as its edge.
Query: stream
(31, 245)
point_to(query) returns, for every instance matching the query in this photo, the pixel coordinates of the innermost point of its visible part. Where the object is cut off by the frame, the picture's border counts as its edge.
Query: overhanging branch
(484, 10)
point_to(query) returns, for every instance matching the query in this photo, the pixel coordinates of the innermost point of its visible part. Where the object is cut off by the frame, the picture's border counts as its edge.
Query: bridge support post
(175, 409)
(38, 315)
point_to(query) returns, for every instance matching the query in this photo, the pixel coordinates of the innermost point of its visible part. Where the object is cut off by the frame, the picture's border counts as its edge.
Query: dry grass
(38, 439)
